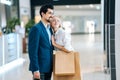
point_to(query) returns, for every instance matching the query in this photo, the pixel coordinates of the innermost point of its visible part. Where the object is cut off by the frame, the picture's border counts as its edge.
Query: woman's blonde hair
(59, 20)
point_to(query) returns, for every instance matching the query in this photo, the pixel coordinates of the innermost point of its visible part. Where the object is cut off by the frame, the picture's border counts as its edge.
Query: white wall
(117, 38)
(73, 12)
(82, 16)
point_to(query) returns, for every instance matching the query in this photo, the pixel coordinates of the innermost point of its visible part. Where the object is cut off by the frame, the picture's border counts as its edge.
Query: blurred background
(93, 24)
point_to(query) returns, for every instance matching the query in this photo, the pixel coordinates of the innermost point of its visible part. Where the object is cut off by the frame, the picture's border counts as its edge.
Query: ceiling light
(55, 0)
(97, 7)
(91, 5)
(67, 6)
(7, 2)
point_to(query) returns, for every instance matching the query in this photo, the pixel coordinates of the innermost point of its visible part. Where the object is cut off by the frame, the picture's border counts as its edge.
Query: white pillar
(117, 38)
(2, 15)
(102, 19)
(25, 10)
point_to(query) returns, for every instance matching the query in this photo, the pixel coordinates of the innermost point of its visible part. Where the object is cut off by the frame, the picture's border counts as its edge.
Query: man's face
(48, 15)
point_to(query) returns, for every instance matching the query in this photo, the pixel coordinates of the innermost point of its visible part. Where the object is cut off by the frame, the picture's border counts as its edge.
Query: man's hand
(36, 75)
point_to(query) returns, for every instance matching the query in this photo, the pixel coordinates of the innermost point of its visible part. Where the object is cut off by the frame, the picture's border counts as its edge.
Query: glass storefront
(10, 42)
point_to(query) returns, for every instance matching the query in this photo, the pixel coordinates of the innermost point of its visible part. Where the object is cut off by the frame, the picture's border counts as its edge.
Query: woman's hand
(53, 40)
(59, 46)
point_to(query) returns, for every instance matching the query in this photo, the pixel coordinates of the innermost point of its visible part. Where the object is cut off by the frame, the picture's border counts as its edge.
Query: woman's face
(55, 22)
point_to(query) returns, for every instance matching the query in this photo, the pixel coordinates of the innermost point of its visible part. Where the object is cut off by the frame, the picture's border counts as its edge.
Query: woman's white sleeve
(67, 41)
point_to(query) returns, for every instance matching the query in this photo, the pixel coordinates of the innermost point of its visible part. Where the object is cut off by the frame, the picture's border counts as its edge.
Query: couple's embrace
(43, 39)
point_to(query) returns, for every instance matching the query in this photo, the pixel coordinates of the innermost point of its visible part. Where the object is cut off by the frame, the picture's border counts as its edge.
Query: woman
(60, 40)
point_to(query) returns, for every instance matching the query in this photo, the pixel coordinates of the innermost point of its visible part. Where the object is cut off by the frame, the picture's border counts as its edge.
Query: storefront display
(10, 48)
(10, 41)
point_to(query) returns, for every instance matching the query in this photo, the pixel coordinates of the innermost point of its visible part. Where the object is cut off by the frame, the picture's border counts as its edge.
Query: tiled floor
(92, 60)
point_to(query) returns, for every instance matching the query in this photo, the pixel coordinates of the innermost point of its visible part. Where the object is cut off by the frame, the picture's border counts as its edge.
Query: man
(40, 48)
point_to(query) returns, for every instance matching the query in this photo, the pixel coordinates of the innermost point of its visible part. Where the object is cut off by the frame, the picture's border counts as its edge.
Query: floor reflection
(90, 47)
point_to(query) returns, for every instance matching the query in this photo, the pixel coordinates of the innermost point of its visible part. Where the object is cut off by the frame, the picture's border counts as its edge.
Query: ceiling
(64, 2)
(67, 5)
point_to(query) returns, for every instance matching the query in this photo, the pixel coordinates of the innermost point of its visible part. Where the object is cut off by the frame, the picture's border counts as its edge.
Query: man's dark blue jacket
(40, 50)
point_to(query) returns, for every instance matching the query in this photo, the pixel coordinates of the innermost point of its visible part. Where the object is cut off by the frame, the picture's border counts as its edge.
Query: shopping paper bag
(64, 63)
(76, 76)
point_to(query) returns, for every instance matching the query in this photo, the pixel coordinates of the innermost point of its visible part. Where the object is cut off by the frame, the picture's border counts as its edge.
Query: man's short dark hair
(45, 7)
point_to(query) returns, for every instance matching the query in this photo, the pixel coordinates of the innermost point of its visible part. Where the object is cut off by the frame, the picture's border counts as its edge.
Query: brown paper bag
(64, 63)
(76, 76)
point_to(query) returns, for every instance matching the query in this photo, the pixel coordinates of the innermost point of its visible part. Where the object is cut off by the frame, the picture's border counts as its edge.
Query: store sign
(7, 2)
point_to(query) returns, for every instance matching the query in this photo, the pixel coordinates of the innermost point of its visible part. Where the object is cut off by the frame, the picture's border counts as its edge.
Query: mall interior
(94, 26)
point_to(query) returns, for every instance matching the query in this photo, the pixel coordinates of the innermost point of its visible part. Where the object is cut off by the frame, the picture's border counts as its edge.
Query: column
(109, 36)
(0, 15)
(117, 38)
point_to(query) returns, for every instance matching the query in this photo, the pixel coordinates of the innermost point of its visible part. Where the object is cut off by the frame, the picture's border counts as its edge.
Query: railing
(112, 50)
